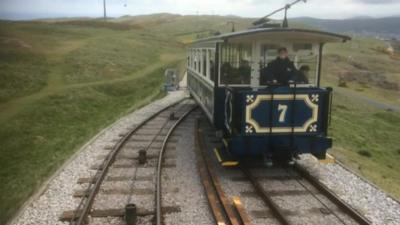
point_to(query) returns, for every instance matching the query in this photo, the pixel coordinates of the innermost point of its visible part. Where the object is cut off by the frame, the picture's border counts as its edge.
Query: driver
(282, 69)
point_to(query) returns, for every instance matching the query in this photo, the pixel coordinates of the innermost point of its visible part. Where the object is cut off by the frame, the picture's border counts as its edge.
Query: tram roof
(278, 34)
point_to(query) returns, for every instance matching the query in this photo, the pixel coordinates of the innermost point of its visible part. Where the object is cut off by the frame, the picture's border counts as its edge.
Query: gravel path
(377, 206)
(190, 198)
(366, 99)
(56, 196)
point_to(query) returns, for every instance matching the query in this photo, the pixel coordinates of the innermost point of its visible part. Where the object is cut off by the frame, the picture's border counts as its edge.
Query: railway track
(289, 195)
(314, 188)
(143, 147)
(221, 208)
(147, 144)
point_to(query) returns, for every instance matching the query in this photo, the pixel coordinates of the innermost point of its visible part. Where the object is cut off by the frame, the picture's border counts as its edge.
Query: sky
(327, 9)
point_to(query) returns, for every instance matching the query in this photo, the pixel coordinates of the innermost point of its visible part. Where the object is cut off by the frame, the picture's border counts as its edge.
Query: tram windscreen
(304, 57)
(236, 64)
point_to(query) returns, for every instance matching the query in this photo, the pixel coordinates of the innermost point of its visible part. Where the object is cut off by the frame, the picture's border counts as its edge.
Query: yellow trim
(230, 163)
(329, 159)
(236, 200)
(225, 142)
(217, 154)
(224, 163)
(259, 129)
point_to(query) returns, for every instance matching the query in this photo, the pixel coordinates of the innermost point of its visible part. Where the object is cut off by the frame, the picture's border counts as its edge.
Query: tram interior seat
(232, 75)
(299, 76)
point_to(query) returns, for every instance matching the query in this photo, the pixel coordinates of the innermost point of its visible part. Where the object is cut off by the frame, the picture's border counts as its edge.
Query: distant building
(390, 49)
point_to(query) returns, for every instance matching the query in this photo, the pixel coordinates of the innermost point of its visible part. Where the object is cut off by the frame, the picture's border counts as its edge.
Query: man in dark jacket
(282, 69)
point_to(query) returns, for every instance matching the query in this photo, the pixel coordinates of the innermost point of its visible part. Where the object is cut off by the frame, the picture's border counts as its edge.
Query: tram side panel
(202, 92)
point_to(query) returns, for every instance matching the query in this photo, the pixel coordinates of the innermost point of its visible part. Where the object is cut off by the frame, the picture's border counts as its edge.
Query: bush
(342, 82)
(365, 153)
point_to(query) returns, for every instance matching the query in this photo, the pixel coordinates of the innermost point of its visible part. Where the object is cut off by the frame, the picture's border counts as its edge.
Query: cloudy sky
(331, 9)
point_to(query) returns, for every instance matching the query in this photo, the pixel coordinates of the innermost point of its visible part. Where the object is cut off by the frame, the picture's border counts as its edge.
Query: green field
(365, 67)
(60, 85)
(367, 140)
(366, 135)
(62, 81)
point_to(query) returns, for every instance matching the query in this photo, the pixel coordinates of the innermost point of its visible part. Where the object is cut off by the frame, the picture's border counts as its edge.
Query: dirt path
(366, 100)
(55, 85)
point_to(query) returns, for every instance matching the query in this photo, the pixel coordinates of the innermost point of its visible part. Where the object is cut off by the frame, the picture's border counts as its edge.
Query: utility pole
(105, 10)
(233, 25)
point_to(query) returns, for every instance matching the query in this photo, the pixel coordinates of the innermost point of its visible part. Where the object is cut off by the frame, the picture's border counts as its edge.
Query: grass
(366, 67)
(22, 72)
(61, 83)
(367, 140)
(46, 133)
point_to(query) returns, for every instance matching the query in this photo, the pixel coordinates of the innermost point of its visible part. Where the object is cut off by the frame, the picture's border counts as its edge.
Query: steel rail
(276, 210)
(221, 208)
(83, 209)
(346, 208)
(159, 165)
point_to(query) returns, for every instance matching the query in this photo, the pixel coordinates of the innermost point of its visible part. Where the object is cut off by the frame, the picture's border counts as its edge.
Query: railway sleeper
(84, 180)
(131, 165)
(119, 212)
(121, 191)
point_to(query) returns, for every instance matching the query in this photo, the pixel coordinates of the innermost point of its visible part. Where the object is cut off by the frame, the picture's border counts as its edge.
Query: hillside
(62, 81)
(384, 27)
(185, 28)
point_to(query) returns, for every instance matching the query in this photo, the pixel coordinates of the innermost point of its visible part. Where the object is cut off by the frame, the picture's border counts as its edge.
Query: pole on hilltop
(105, 10)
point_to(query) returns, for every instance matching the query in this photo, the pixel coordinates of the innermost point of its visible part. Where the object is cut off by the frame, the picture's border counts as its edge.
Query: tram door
(255, 65)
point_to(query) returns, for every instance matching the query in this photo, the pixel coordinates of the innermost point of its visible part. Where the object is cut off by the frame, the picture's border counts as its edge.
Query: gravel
(56, 195)
(375, 204)
(190, 197)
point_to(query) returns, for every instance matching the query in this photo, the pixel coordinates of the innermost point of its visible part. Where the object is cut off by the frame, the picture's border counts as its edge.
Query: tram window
(302, 46)
(191, 59)
(302, 55)
(204, 62)
(305, 60)
(198, 56)
(195, 60)
(235, 64)
(212, 64)
(268, 54)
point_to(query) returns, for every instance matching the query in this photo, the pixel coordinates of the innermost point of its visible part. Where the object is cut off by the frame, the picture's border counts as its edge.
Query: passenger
(266, 76)
(244, 72)
(302, 75)
(226, 71)
(282, 69)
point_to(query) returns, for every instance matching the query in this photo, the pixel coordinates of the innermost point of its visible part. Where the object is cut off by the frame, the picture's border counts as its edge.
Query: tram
(257, 112)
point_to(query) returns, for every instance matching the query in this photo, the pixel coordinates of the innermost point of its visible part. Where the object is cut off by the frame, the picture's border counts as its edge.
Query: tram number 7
(282, 112)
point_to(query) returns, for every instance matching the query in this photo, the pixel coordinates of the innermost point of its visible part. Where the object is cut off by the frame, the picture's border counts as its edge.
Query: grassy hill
(185, 28)
(64, 80)
(61, 83)
(384, 27)
(366, 135)
(365, 65)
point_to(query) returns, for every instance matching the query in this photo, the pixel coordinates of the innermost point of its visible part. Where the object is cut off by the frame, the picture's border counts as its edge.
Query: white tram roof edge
(276, 34)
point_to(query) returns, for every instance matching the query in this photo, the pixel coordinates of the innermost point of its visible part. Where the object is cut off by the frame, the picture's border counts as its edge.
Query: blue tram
(228, 77)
